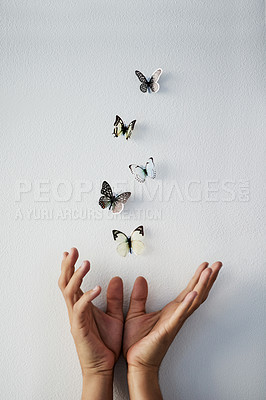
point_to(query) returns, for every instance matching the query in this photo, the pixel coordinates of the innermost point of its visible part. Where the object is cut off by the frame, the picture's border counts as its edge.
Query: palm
(104, 330)
(101, 332)
(144, 332)
(147, 337)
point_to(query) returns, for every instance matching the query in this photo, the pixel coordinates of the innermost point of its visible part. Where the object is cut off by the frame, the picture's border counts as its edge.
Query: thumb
(115, 298)
(138, 297)
(82, 306)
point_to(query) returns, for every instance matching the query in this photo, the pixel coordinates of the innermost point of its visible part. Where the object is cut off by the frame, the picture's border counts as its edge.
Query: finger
(67, 267)
(192, 282)
(216, 267)
(138, 297)
(115, 298)
(75, 282)
(200, 288)
(180, 314)
(184, 306)
(83, 305)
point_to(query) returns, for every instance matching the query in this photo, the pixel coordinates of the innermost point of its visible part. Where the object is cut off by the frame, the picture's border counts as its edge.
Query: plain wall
(67, 68)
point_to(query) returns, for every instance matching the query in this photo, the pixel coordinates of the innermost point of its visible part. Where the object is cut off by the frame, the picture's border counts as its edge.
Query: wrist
(134, 370)
(90, 374)
(143, 383)
(99, 384)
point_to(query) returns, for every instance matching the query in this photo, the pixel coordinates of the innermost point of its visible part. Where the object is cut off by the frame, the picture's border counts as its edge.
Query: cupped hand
(97, 334)
(147, 337)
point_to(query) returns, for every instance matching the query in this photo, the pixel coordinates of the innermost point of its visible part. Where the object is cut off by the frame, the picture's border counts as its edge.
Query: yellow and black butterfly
(131, 244)
(112, 201)
(151, 84)
(121, 129)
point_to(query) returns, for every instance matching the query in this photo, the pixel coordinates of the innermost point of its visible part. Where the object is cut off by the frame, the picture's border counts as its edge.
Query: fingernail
(83, 265)
(95, 289)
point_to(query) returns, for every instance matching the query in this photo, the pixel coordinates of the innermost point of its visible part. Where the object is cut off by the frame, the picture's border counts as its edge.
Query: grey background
(67, 68)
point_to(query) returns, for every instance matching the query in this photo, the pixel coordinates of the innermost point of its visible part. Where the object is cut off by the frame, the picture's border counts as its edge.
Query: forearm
(97, 387)
(143, 385)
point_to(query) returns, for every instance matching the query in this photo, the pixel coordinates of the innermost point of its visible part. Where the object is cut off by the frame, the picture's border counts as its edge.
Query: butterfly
(151, 84)
(121, 129)
(129, 244)
(141, 172)
(112, 201)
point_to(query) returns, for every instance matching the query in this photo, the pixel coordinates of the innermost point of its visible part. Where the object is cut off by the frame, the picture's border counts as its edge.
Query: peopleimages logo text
(193, 190)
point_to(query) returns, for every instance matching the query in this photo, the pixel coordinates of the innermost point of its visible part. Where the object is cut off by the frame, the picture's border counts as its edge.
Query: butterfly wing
(122, 240)
(118, 126)
(138, 172)
(123, 197)
(154, 87)
(106, 190)
(156, 75)
(138, 233)
(130, 129)
(137, 247)
(150, 168)
(141, 77)
(105, 202)
(144, 83)
(119, 202)
(153, 83)
(136, 243)
(144, 87)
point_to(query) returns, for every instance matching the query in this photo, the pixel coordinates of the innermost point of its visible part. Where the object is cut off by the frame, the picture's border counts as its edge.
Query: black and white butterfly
(141, 172)
(151, 84)
(112, 201)
(130, 244)
(121, 129)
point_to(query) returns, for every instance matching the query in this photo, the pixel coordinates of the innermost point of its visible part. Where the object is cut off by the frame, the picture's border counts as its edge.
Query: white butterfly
(149, 84)
(141, 172)
(129, 244)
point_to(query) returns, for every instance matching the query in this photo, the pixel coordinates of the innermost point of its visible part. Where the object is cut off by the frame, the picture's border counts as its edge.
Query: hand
(97, 334)
(147, 337)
